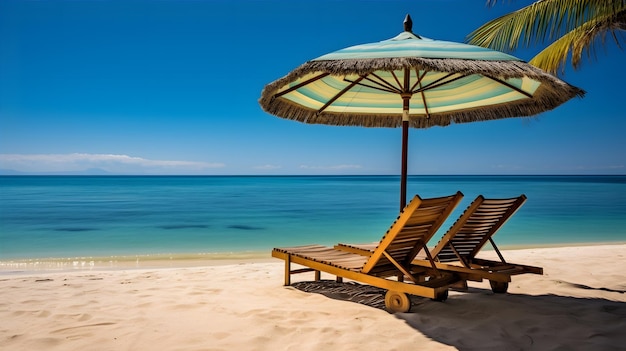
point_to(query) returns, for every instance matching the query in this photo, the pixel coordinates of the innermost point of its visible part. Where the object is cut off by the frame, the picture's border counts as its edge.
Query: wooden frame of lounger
(366, 249)
(462, 242)
(469, 234)
(393, 256)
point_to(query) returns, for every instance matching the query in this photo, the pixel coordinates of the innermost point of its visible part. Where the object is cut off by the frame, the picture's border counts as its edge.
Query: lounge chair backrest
(480, 221)
(411, 231)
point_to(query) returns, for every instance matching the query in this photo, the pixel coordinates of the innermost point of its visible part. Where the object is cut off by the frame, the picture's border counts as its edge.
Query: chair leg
(499, 287)
(318, 276)
(288, 270)
(459, 286)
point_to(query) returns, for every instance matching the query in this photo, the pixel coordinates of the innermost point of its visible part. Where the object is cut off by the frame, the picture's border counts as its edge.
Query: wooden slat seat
(471, 232)
(467, 236)
(391, 257)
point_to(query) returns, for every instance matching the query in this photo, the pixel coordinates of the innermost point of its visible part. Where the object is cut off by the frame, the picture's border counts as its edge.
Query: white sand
(578, 304)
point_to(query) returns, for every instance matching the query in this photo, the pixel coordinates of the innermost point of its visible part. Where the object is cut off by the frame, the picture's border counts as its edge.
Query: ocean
(104, 216)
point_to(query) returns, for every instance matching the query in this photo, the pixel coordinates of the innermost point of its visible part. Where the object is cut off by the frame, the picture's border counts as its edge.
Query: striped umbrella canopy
(412, 81)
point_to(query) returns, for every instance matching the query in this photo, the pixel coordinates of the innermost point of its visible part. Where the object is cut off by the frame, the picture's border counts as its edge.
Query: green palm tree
(571, 26)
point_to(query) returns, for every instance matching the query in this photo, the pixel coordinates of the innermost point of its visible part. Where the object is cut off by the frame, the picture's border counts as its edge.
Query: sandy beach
(578, 304)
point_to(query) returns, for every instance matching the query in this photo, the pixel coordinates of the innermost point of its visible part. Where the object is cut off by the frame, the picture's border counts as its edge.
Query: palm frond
(578, 41)
(544, 20)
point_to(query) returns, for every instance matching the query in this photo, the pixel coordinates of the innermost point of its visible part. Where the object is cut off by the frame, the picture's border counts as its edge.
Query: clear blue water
(66, 216)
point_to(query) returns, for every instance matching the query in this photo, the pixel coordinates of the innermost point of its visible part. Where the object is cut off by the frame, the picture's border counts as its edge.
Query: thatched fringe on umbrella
(501, 69)
(504, 69)
(284, 108)
(552, 93)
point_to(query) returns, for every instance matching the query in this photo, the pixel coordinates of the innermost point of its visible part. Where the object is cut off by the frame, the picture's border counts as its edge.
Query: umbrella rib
(419, 79)
(298, 86)
(338, 95)
(509, 85)
(379, 87)
(425, 104)
(421, 91)
(393, 73)
(383, 82)
(437, 83)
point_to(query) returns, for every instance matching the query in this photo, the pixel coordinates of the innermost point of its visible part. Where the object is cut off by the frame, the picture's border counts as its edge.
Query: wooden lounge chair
(392, 257)
(476, 226)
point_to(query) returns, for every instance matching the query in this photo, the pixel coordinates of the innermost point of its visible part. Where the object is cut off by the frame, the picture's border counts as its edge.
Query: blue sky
(172, 87)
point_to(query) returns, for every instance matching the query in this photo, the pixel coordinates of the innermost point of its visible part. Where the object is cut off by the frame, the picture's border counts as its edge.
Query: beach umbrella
(412, 81)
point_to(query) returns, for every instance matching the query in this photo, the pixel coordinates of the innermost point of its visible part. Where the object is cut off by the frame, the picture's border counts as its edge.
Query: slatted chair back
(411, 231)
(480, 221)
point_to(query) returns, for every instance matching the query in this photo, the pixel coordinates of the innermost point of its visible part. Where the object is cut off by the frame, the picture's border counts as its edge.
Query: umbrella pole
(403, 179)
(405, 142)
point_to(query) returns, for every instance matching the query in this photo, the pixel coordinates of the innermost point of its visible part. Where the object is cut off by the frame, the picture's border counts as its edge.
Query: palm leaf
(571, 25)
(541, 21)
(580, 40)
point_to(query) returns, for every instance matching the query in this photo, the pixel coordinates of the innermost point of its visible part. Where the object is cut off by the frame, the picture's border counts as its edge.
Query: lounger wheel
(441, 296)
(396, 301)
(499, 287)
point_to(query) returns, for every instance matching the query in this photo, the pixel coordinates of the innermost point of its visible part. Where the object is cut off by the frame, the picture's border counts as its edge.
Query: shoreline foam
(172, 260)
(180, 260)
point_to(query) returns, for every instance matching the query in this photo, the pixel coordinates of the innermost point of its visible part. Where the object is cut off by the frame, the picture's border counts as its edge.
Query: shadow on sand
(481, 320)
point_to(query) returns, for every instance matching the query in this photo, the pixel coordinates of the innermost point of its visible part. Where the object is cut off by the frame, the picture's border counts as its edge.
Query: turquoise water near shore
(100, 216)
